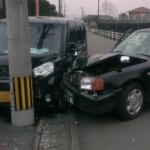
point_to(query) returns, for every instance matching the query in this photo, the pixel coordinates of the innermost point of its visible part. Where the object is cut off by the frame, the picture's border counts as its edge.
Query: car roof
(58, 20)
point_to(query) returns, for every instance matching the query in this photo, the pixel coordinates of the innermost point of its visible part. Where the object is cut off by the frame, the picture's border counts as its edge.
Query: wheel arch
(138, 81)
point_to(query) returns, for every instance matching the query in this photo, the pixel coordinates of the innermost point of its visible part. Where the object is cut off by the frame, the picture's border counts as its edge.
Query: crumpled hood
(91, 60)
(100, 57)
(104, 63)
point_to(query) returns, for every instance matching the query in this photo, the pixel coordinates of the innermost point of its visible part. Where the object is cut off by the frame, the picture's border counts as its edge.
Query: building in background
(141, 13)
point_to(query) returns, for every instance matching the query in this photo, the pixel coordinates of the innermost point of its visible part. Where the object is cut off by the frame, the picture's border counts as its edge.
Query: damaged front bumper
(42, 91)
(86, 102)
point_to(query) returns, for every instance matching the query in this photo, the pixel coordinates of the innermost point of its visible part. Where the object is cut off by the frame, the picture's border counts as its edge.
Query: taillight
(98, 85)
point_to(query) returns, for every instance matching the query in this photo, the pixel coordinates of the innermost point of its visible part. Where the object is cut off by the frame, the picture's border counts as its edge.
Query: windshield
(44, 38)
(136, 43)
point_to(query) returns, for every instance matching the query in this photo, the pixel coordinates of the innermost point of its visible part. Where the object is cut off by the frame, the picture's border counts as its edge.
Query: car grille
(4, 72)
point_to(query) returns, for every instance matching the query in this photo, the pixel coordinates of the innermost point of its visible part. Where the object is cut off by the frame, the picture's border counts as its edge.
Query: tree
(108, 8)
(46, 8)
(123, 16)
(3, 9)
(31, 7)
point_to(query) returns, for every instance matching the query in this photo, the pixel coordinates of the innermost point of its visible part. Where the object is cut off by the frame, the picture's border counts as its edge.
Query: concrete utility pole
(60, 7)
(98, 9)
(22, 110)
(82, 12)
(64, 9)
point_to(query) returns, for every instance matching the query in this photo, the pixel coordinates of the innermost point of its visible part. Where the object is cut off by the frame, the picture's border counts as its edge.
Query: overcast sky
(73, 7)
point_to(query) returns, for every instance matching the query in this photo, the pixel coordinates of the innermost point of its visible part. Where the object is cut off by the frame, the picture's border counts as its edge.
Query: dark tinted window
(72, 32)
(81, 33)
(77, 32)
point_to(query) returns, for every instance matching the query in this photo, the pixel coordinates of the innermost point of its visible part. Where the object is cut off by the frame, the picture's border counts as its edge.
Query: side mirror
(73, 48)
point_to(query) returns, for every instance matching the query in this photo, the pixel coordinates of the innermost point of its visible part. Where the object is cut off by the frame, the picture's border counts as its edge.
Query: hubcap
(134, 101)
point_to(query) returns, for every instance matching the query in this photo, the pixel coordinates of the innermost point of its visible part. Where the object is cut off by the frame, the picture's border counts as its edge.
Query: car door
(81, 39)
(77, 38)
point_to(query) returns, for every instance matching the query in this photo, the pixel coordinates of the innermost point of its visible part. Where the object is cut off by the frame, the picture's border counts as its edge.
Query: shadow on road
(107, 132)
(107, 117)
(5, 114)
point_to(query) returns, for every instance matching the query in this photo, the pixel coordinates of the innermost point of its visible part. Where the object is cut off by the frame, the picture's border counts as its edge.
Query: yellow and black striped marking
(23, 93)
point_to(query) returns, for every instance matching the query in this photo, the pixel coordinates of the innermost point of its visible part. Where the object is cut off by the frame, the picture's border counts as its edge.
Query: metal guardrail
(108, 34)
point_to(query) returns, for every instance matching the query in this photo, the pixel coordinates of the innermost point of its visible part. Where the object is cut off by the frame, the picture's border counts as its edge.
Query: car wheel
(131, 102)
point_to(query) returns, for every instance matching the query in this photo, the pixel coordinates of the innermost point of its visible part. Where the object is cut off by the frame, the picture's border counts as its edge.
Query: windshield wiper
(44, 34)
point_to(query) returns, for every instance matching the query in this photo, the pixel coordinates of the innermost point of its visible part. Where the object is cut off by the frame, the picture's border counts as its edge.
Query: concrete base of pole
(23, 118)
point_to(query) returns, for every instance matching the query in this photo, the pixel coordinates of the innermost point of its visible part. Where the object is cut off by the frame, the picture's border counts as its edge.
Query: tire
(62, 103)
(131, 102)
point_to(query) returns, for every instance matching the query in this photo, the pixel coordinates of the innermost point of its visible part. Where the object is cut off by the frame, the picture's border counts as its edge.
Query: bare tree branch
(108, 8)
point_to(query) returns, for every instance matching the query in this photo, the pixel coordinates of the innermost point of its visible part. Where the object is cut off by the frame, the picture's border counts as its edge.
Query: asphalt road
(14, 138)
(95, 132)
(98, 44)
(107, 132)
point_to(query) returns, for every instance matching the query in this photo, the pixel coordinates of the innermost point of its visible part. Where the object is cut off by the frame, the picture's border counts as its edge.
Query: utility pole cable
(82, 12)
(64, 9)
(98, 8)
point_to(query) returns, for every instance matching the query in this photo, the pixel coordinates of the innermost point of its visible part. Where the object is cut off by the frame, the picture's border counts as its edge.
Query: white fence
(108, 34)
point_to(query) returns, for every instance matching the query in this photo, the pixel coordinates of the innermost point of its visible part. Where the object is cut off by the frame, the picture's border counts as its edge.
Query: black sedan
(118, 81)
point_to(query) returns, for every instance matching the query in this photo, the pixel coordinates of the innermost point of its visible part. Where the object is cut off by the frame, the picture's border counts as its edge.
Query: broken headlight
(44, 69)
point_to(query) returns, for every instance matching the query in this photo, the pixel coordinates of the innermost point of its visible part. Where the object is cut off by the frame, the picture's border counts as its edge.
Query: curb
(38, 134)
(74, 139)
